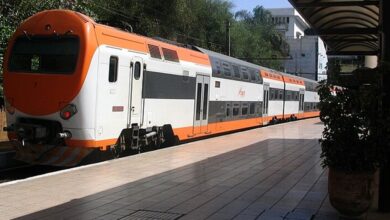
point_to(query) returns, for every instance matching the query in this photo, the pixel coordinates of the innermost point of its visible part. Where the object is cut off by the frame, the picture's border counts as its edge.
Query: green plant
(353, 139)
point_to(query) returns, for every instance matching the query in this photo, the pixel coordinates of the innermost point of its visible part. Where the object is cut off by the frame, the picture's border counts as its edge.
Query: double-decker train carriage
(73, 86)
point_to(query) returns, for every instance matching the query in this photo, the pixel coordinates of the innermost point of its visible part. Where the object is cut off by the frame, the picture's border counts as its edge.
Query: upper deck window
(236, 71)
(170, 55)
(244, 73)
(50, 55)
(226, 69)
(253, 75)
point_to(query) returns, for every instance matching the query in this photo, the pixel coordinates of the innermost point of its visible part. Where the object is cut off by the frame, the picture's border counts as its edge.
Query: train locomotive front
(49, 88)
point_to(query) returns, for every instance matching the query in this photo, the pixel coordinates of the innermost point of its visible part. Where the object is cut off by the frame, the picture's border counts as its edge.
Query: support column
(384, 179)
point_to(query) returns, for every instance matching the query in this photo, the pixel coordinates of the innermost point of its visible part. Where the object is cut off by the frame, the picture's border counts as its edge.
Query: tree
(255, 39)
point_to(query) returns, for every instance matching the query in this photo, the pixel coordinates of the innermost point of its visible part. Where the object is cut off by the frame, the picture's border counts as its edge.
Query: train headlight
(68, 111)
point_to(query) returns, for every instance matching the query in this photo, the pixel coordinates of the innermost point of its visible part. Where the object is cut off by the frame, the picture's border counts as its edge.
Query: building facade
(307, 53)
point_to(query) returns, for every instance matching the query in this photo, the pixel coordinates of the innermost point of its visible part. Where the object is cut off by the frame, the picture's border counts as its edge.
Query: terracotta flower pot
(351, 194)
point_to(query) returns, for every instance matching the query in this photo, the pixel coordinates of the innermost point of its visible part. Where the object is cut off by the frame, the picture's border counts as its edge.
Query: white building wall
(308, 53)
(322, 61)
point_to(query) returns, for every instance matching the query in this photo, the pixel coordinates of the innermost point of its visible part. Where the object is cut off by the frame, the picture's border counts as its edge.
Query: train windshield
(51, 55)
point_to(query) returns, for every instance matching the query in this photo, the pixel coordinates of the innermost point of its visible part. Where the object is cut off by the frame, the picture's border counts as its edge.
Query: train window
(228, 111)
(154, 51)
(170, 55)
(244, 73)
(272, 94)
(198, 101)
(226, 69)
(216, 67)
(236, 72)
(244, 109)
(258, 108)
(137, 70)
(253, 75)
(280, 97)
(296, 94)
(252, 107)
(113, 69)
(236, 109)
(50, 55)
(217, 84)
(205, 100)
(288, 95)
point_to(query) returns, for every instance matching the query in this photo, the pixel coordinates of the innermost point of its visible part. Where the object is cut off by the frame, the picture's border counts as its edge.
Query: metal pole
(227, 37)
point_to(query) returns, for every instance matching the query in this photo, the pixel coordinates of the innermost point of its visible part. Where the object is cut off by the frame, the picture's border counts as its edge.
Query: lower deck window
(228, 110)
(236, 109)
(252, 108)
(244, 110)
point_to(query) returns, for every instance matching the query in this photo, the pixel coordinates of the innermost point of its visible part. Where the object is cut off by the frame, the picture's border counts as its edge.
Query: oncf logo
(241, 92)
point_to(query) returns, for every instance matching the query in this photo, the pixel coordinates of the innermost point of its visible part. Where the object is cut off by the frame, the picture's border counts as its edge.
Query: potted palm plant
(351, 142)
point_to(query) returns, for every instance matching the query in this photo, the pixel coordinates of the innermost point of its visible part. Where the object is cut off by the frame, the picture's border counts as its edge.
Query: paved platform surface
(267, 173)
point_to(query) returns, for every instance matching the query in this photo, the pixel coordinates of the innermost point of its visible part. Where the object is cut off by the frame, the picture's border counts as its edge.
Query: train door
(301, 103)
(136, 107)
(201, 103)
(265, 99)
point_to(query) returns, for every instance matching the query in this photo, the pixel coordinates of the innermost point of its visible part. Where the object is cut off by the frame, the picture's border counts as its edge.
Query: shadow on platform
(272, 179)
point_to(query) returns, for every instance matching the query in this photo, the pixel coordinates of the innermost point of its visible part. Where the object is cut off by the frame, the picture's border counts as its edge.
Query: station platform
(272, 172)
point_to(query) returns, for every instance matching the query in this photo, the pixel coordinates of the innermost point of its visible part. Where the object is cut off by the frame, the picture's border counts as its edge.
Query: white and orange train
(72, 86)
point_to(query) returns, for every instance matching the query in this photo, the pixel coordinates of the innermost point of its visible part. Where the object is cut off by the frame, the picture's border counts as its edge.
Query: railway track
(18, 171)
(25, 171)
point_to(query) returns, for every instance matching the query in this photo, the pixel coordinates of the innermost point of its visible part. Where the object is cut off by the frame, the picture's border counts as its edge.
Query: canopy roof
(348, 27)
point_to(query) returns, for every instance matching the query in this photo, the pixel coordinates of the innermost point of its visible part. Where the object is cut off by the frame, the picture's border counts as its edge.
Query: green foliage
(352, 139)
(201, 23)
(255, 39)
